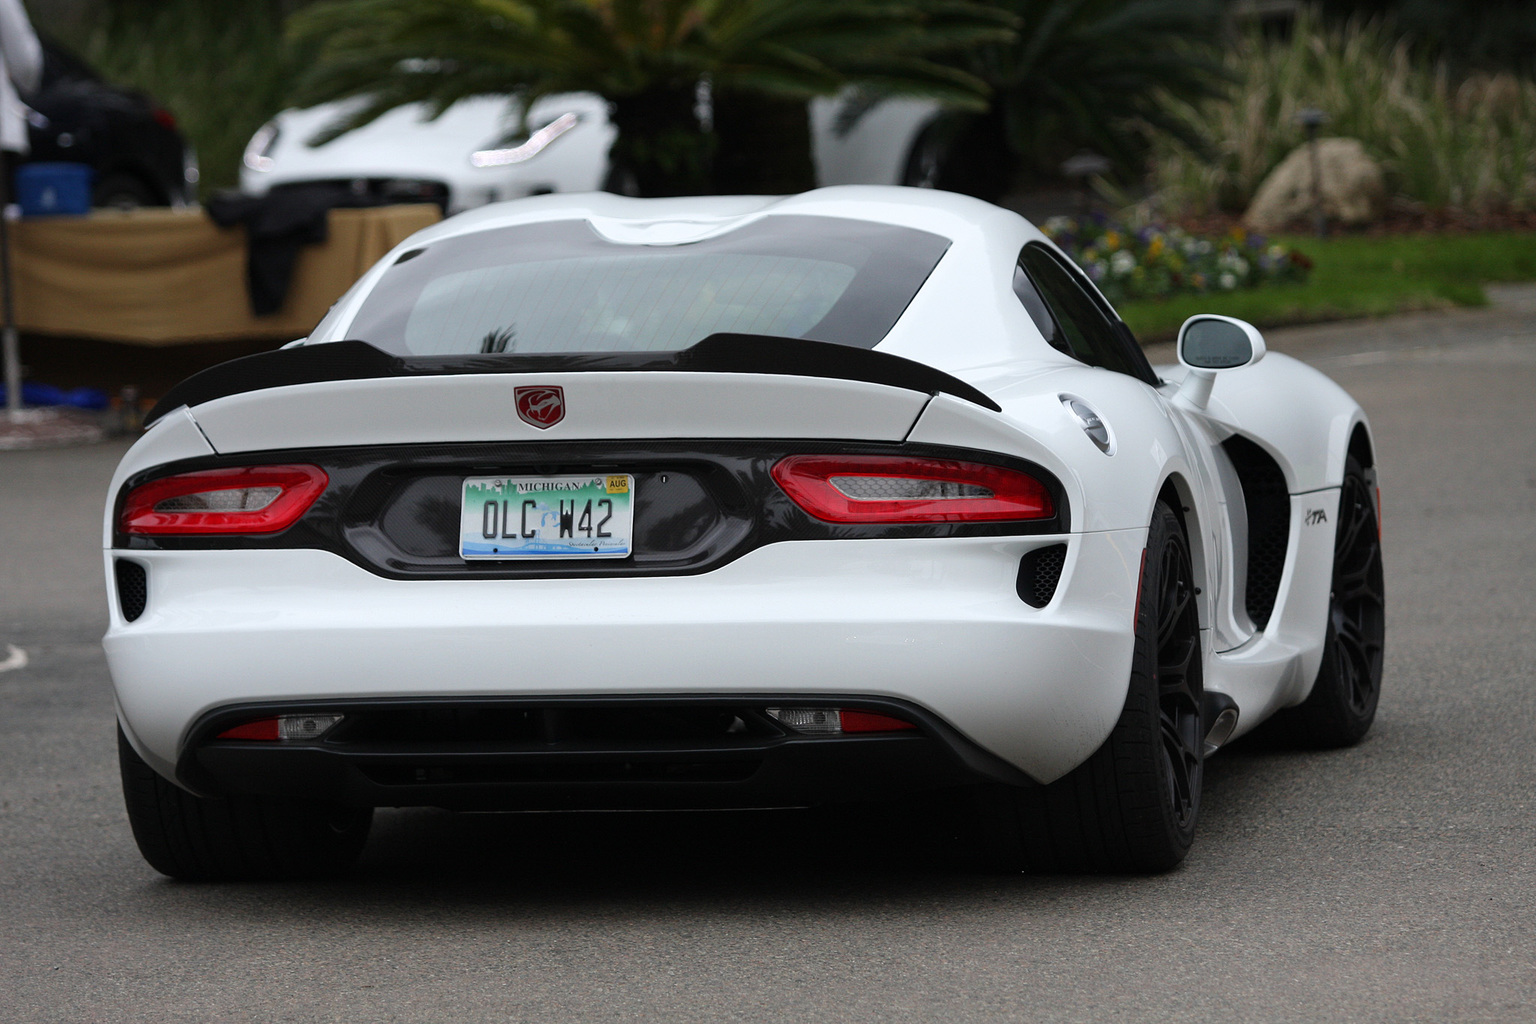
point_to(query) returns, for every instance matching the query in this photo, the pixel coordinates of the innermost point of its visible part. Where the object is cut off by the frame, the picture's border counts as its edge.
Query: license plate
(588, 516)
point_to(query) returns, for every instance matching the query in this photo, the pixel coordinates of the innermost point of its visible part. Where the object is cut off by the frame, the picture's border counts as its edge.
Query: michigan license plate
(589, 516)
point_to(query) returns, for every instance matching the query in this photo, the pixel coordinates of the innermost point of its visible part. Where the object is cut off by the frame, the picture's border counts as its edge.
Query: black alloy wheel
(1179, 689)
(1342, 705)
(1132, 807)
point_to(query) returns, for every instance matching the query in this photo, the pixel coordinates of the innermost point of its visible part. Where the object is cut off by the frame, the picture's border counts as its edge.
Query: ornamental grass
(1445, 143)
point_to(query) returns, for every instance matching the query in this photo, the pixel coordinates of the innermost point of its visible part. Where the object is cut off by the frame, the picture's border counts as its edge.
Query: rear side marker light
(897, 489)
(244, 499)
(282, 727)
(836, 721)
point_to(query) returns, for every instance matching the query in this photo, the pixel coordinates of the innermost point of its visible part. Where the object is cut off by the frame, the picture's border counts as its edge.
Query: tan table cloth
(168, 277)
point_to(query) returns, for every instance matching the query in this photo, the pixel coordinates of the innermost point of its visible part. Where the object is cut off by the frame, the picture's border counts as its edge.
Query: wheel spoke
(1355, 652)
(1348, 585)
(1356, 586)
(1173, 669)
(1349, 536)
(1175, 600)
(1346, 630)
(1178, 681)
(1181, 761)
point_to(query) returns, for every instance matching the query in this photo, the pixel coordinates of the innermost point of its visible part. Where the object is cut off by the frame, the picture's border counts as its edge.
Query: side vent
(1039, 572)
(132, 588)
(1268, 502)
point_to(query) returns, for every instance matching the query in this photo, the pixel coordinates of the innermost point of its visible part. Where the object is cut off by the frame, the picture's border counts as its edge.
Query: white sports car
(460, 161)
(597, 502)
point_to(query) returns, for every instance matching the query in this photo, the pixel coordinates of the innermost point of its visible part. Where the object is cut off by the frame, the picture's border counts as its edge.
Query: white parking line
(15, 657)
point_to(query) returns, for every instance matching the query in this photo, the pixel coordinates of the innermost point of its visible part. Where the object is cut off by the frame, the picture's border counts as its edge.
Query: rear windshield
(560, 287)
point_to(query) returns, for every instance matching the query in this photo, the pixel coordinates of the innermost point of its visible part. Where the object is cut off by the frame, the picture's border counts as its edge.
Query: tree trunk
(661, 149)
(763, 144)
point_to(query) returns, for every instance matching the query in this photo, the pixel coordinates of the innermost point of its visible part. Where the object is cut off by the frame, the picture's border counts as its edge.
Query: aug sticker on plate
(590, 516)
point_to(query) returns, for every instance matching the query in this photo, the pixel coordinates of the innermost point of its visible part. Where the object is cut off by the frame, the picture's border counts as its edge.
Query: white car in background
(461, 161)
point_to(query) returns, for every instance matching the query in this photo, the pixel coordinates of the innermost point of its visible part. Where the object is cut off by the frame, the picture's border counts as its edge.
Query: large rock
(1353, 189)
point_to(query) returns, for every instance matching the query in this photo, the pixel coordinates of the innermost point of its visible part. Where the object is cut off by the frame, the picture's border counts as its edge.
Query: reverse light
(898, 489)
(836, 721)
(282, 727)
(244, 499)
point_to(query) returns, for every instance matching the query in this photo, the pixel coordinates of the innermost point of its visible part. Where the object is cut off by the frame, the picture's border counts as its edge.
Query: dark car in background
(128, 139)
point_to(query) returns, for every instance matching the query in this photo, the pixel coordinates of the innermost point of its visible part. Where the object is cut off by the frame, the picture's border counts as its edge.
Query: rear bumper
(773, 767)
(936, 623)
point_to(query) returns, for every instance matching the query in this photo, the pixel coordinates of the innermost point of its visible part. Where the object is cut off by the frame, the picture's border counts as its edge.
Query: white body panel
(936, 622)
(1276, 668)
(1298, 413)
(430, 410)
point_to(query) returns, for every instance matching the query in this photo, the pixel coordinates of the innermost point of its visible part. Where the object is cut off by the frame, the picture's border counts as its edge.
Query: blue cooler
(48, 189)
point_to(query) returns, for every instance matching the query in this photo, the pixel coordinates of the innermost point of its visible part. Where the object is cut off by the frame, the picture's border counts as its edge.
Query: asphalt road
(1392, 882)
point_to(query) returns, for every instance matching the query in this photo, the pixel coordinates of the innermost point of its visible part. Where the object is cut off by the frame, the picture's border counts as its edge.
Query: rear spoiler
(718, 353)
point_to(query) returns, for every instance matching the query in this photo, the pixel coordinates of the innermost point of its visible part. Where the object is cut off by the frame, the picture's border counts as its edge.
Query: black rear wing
(718, 353)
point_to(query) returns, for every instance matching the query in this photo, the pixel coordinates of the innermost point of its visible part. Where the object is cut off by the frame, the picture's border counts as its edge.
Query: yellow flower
(1155, 249)
(1112, 240)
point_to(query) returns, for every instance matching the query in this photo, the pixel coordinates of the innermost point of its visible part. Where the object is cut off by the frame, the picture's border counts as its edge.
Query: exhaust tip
(1220, 730)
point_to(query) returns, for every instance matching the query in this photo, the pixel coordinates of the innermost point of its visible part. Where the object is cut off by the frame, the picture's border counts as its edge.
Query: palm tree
(646, 57)
(1093, 74)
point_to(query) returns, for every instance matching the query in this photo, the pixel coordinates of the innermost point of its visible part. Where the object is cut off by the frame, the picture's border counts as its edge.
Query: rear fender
(1307, 423)
(1108, 491)
(1296, 413)
(170, 439)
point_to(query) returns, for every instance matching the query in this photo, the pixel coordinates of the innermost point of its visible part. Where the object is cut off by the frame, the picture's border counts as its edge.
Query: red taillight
(246, 499)
(282, 727)
(896, 489)
(261, 729)
(868, 721)
(164, 118)
(822, 721)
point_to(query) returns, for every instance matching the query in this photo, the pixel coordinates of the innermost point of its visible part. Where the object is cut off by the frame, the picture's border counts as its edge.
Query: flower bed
(1157, 261)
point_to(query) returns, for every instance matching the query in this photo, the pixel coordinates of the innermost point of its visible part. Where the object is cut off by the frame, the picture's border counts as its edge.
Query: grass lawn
(1358, 276)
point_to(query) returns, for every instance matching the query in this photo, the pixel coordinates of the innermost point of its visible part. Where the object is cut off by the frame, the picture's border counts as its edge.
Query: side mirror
(1208, 343)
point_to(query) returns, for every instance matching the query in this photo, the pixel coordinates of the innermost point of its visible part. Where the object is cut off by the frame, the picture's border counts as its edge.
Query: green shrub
(221, 68)
(1468, 144)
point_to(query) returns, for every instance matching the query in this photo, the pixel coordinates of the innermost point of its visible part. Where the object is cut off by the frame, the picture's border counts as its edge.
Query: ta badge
(1315, 516)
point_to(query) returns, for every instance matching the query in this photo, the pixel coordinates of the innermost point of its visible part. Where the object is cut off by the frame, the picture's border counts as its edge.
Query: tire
(239, 838)
(961, 153)
(123, 192)
(925, 159)
(1132, 807)
(1342, 705)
